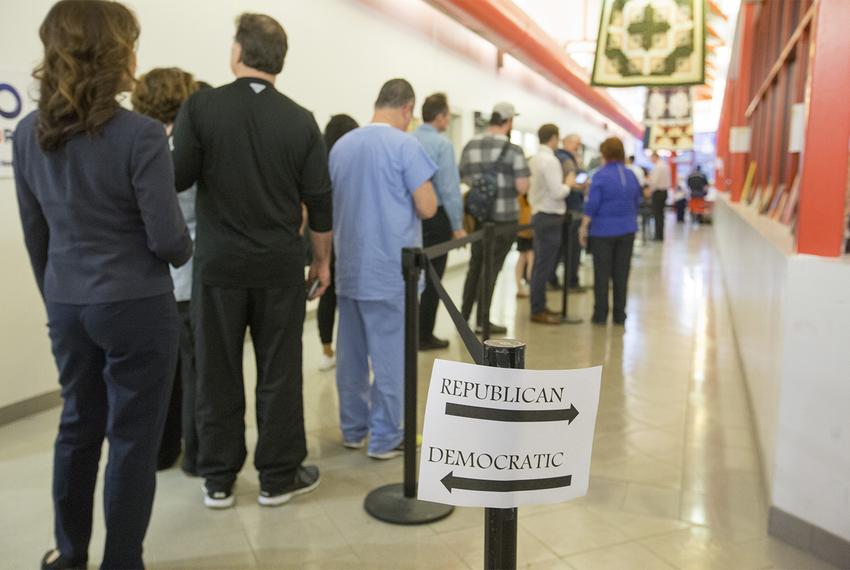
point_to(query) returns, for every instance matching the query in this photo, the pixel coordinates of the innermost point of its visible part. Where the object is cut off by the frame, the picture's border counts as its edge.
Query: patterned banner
(669, 119)
(650, 42)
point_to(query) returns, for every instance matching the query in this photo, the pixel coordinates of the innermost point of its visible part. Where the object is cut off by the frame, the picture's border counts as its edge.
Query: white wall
(791, 316)
(341, 51)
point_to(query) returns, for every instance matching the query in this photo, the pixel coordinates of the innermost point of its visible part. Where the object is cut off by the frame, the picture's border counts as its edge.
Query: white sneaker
(327, 362)
(390, 454)
(356, 444)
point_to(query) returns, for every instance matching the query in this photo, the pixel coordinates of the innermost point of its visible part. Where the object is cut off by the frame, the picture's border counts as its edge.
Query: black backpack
(483, 190)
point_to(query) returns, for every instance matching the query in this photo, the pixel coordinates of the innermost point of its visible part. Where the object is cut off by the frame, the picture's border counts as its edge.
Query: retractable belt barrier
(397, 503)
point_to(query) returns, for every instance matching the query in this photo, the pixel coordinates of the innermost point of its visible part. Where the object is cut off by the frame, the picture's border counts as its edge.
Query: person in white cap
(492, 155)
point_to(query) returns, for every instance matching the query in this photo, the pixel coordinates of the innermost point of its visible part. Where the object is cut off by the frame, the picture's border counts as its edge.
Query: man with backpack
(497, 173)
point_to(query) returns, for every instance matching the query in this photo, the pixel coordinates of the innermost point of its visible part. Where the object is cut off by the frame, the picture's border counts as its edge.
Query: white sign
(496, 437)
(740, 139)
(797, 130)
(15, 104)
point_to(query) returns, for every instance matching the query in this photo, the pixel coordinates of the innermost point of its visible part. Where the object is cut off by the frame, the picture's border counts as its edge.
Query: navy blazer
(100, 215)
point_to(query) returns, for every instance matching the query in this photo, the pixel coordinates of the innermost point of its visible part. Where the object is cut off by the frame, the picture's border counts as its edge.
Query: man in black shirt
(256, 157)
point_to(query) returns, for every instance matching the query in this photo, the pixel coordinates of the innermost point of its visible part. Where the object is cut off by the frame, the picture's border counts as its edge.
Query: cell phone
(312, 288)
(581, 177)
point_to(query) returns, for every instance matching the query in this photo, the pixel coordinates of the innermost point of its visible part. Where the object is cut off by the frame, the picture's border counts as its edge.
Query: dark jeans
(659, 201)
(547, 246)
(326, 312)
(116, 367)
(220, 317)
(681, 207)
(612, 259)
(501, 247)
(575, 262)
(435, 230)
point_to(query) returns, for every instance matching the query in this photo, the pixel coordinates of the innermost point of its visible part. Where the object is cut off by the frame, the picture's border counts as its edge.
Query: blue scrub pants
(371, 330)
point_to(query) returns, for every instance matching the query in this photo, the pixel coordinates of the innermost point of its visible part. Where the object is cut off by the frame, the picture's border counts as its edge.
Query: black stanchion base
(571, 321)
(389, 504)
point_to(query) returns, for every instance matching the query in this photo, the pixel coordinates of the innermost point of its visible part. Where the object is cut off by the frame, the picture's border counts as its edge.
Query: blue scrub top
(374, 171)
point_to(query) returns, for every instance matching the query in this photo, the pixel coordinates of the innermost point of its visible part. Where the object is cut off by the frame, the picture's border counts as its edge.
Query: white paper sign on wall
(496, 437)
(15, 104)
(740, 139)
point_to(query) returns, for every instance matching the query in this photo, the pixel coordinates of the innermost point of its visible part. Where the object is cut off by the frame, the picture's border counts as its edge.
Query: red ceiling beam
(509, 28)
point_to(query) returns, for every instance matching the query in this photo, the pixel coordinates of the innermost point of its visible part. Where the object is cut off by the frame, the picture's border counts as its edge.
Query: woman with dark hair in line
(610, 218)
(159, 94)
(95, 187)
(338, 126)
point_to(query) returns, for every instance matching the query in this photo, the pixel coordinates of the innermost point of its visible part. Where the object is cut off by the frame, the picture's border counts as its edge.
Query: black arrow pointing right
(501, 415)
(498, 486)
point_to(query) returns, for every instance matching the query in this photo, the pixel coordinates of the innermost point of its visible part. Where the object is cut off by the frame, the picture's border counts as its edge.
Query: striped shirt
(480, 154)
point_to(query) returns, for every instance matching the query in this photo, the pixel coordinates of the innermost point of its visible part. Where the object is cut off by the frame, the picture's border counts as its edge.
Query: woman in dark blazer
(101, 223)
(610, 218)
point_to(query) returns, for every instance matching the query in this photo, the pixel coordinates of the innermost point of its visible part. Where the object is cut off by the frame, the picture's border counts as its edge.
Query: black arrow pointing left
(498, 486)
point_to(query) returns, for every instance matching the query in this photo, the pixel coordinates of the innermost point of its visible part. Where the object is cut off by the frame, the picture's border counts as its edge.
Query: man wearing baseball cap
(493, 152)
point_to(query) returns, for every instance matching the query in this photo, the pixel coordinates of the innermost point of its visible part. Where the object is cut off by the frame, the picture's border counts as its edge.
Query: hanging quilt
(650, 42)
(669, 119)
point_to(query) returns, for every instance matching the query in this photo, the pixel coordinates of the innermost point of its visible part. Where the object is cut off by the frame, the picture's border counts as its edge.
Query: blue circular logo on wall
(18, 105)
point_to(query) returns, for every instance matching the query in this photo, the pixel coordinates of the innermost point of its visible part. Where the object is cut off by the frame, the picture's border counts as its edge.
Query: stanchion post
(489, 252)
(500, 525)
(411, 267)
(397, 503)
(569, 246)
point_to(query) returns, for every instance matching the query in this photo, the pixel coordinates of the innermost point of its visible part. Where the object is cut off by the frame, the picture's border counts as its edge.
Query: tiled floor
(675, 475)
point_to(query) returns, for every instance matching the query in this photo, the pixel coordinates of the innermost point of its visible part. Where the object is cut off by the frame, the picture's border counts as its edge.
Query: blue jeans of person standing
(547, 246)
(116, 366)
(371, 331)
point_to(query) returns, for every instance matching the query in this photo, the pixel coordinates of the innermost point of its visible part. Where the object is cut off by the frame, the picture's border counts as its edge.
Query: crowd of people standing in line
(160, 238)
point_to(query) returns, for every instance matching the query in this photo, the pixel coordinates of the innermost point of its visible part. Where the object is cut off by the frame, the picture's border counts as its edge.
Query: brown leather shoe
(545, 319)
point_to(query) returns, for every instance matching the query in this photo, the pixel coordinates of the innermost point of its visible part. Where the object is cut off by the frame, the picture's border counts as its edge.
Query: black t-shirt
(255, 155)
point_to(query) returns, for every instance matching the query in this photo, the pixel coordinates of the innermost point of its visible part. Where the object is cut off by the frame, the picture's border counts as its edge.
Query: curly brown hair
(89, 57)
(160, 92)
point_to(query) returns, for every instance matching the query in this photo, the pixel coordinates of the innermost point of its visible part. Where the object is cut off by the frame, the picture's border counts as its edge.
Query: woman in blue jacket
(101, 222)
(610, 218)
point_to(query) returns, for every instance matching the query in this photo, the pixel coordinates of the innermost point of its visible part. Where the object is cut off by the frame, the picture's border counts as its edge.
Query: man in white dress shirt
(549, 188)
(659, 183)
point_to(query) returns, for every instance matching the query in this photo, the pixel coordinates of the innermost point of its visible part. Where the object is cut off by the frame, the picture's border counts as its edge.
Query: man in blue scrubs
(382, 190)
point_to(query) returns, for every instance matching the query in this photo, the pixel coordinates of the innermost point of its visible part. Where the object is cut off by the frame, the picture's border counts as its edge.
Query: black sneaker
(306, 480)
(433, 343)
(53, 560)
(218, 499)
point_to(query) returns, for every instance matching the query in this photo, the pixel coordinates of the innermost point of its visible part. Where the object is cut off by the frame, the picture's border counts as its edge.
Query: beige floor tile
(573, 530)
(295, 542)
(629, 556)
(469, 546)
(652, 501)
(214, 551)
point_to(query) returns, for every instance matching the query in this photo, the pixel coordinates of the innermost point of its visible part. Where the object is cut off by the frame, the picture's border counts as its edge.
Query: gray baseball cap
(505, 110)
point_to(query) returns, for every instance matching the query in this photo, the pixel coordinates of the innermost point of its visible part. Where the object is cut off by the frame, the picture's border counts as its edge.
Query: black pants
(501, 247)
(575, 261)
(116, 366)
(326, 312)
(435, 230)
(547, 245)
(180, 421)
(659, 202)
(220, 317)
(612, 260)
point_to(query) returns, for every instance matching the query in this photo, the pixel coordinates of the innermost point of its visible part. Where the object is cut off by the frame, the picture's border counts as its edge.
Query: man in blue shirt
(382, 190)
(448, 221)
